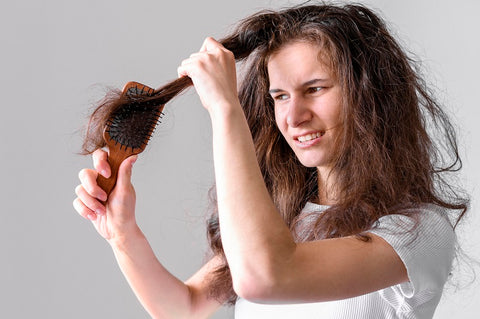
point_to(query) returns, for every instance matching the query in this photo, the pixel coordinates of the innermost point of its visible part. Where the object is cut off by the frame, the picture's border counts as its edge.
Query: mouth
(309, 137)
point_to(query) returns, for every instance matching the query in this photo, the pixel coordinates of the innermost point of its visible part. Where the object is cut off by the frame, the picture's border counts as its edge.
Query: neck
(326, 189)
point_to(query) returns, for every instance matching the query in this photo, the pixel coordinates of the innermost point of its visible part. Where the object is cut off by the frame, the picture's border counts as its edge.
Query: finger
(196, 61)
(183, 69)
(83, 210)
(125, 172)
(209, 44)
(100, 162)
(212, 46)
(187, 69)
(195, 55)
(195, 58)
(88, 178)
(90, 202)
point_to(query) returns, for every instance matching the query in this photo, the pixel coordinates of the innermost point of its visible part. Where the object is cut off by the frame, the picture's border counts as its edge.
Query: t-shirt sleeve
(427, 248)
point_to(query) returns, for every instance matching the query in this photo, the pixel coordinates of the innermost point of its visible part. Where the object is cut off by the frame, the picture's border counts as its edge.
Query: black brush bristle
(132, 124)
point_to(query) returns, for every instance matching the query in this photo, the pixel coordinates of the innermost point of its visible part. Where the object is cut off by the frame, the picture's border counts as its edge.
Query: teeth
(308, 137)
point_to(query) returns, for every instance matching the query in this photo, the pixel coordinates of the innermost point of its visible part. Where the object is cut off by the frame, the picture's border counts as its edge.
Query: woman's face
(307, 102)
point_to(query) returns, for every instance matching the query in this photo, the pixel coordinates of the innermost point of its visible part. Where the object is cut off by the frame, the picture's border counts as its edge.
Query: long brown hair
(397, 148)
(396, 145)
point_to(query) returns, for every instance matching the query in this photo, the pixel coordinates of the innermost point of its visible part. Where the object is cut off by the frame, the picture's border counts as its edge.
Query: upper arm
(202, 305)
(333, 269)
(414, 252)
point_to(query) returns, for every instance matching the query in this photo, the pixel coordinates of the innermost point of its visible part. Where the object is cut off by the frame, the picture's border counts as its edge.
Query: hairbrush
(129, 128)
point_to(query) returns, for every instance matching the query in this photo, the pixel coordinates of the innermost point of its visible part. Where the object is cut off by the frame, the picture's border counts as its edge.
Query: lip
(295, 137)
(310, 143)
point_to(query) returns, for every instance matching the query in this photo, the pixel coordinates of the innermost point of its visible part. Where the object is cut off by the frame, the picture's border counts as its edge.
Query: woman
(331, 199)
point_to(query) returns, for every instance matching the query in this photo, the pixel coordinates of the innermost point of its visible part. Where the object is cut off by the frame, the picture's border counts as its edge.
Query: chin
(311, 162)
(314, 159)
(310, 165)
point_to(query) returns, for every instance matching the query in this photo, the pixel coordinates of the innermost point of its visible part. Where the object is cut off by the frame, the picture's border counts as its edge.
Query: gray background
(55, 59)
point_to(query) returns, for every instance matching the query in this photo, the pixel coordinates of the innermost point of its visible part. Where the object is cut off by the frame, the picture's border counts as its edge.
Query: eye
(314, 89)
(280, 97)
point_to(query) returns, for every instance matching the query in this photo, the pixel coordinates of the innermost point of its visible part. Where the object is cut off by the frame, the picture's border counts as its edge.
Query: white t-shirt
(427, 253)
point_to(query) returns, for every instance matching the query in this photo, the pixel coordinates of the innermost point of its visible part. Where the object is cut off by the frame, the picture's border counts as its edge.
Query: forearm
(161, 293)
(254, 236)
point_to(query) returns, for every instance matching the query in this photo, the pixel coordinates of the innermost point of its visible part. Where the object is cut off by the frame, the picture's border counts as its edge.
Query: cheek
(279, 120)
(282, 126)
(335, 110)
(331, 114)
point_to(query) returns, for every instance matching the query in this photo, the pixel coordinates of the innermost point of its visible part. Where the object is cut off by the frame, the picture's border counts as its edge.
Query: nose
(298, 112)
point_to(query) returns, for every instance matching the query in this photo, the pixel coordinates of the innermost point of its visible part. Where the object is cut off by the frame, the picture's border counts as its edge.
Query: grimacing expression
(307, 101)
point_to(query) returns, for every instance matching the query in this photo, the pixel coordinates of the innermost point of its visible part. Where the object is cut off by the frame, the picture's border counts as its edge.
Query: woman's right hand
(117, 219)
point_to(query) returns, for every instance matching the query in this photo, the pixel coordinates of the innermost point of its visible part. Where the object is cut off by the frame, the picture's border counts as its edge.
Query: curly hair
(396, 145)
(396, 149)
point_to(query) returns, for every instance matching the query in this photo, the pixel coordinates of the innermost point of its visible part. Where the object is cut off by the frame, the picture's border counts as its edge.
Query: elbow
(256, 286)
(264, 278)
(252, 290)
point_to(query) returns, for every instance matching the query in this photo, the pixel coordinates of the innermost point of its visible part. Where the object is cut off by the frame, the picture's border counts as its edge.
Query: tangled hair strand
(396, 149)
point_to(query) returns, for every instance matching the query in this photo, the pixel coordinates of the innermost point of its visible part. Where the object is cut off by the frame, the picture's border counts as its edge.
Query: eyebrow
(310, 82)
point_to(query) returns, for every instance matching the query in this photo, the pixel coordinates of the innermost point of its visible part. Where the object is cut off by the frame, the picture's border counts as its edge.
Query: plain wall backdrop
(56, 58)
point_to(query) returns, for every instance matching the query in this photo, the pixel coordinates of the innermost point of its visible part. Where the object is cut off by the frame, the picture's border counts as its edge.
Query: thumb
(125, 172)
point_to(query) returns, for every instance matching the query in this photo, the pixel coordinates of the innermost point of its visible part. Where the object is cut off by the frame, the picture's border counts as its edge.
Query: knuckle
(81, 174)
(99, 155)
(201, 63)
(75, 203)
(230, 54)
(90, 189)
(78, 189)
(84, 175)
(81, 209)
(86, 178)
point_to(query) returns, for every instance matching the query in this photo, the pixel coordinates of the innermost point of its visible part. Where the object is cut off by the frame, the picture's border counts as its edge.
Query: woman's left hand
(213, 73)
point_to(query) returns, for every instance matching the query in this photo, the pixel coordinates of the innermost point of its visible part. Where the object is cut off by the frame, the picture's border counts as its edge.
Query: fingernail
(103, 197)
(105, 173)
(100, 211)
(91, 216)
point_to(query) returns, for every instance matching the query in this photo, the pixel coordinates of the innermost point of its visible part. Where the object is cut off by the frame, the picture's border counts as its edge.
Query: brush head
(133, 122)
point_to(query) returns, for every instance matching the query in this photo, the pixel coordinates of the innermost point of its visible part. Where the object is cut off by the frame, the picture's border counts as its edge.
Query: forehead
(297, 62)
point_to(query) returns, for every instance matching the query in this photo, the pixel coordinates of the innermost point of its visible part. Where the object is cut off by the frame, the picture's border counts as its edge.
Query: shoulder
(417, 226)
(425, 242)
